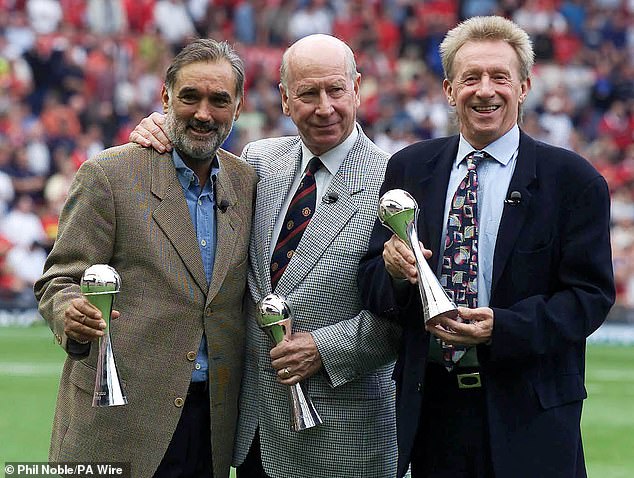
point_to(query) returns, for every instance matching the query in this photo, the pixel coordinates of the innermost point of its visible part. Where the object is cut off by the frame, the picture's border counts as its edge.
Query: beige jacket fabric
(126, 208)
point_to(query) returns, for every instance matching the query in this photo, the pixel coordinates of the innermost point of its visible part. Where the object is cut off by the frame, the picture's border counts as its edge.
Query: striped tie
(299, 213)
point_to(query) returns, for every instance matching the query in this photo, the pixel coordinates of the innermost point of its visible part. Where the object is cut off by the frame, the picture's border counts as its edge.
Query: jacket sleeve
(85, 237)
(351, 348)
(378, 292)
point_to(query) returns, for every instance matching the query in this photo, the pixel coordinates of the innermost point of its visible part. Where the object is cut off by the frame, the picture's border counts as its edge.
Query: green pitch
(30, 364)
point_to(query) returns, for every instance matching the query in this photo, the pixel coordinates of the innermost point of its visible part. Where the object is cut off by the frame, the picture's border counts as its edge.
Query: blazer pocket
(366, 387)
(83, 376)
(560, 390)
(531, 269)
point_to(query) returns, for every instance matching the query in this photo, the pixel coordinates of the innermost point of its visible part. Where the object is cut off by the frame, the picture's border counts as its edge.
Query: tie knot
(474, 158)
(313, 165)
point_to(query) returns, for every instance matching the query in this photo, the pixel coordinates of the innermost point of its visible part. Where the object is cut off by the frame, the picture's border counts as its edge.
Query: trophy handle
(304, 415)
(433, 297)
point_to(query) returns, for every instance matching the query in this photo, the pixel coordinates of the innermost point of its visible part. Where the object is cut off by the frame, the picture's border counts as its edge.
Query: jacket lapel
(172, 216)
(323, 228)
(271, 192)
(432, 191)
(514, 216)
(226, 223)
(329, 219)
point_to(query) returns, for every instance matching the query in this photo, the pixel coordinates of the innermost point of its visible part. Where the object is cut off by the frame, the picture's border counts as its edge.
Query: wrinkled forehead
(204, 74)
(483, 54)
(317, 61)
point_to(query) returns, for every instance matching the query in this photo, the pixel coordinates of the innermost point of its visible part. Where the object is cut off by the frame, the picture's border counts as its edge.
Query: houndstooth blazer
(354, 393)
(126, 208)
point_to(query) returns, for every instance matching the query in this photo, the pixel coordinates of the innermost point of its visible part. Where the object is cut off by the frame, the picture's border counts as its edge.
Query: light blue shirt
(201, 206)
(494, 177)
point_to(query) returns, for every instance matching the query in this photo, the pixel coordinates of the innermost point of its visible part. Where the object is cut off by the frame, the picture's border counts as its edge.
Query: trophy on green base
(274, 317)
(99, 284)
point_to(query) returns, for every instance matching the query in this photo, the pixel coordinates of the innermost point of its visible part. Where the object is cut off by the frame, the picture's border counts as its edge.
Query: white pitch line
(610, 375)
(21, 369)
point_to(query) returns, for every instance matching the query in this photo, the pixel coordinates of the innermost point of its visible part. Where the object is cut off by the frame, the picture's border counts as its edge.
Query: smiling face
(320, 96)
(486, 89)
(201, 108)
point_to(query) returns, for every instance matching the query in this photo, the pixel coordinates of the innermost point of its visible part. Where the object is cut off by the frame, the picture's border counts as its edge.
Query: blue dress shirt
(201, 204)
(494, 177)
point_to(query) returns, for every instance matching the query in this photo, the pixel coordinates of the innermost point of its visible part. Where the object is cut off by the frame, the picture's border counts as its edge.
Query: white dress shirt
(332, 161)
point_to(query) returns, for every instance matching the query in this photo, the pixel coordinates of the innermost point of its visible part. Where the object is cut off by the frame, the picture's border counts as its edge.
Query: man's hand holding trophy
(398, 211)
(274, 316)
(99, 284)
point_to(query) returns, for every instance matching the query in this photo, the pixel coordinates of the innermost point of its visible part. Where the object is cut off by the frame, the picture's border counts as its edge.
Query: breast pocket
(532, 269)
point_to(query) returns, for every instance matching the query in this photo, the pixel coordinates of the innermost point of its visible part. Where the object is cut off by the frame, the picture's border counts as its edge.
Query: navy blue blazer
(552, 287)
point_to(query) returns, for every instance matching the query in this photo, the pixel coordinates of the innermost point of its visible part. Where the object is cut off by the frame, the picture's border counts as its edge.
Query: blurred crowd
(77, 75)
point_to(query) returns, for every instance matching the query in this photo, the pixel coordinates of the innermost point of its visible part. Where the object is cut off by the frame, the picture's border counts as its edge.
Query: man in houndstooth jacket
(342, 352)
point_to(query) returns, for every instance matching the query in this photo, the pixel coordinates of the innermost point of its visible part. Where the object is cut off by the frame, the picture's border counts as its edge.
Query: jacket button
(191, 356)
(419, 387)
(208, 311)
(59, 339)
(179, 402)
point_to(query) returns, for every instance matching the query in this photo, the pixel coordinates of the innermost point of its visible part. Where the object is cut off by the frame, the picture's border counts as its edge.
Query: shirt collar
(186, 176)
(333, 158)
(502, 149)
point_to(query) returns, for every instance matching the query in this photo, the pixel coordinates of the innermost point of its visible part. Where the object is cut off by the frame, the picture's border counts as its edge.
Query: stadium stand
(77, 75)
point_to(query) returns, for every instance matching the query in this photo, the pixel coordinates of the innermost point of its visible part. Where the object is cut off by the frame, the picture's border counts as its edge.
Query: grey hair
(206, 50)
(351, 64)
(487, 28)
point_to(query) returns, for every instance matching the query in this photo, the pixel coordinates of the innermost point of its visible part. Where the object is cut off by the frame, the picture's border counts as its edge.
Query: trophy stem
(433, 297)
(108, 389)
(303, 412)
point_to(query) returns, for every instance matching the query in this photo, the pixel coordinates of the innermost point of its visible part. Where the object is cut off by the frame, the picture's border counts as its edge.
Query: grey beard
(195, 150)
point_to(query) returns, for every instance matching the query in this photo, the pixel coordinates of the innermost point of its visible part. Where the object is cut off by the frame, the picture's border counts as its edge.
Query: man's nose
(203, 112)
(486, 88)
(324, 106)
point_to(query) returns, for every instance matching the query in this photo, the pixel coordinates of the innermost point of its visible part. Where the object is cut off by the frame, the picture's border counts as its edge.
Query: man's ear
(236, 115)
(165, 98)
(448, 90)
(284, 96)
(357, 88)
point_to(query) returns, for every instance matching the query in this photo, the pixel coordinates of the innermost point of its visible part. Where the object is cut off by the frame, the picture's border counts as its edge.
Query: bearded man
(176, 227)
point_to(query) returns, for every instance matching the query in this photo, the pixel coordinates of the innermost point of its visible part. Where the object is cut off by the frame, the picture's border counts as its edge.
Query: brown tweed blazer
(126, 208)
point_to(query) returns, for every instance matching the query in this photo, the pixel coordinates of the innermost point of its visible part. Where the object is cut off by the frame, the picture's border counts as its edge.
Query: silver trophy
(274, 317)
(398, 211)
(99, 284)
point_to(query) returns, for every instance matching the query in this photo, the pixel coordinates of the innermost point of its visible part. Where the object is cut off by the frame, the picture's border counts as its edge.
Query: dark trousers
(252, 465)
(453, 438)
(189, 453)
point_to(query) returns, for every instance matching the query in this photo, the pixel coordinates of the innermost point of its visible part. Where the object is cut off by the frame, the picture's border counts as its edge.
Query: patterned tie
(459, 274)
(299, 213)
